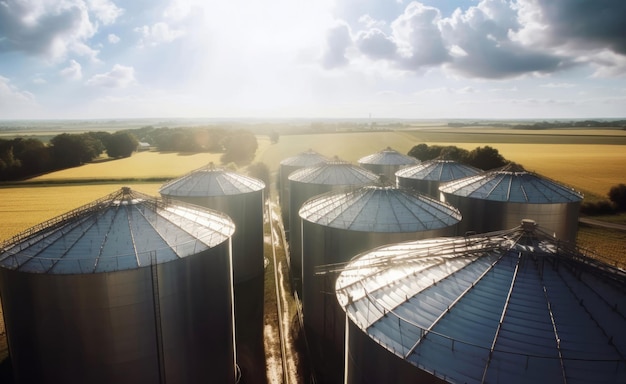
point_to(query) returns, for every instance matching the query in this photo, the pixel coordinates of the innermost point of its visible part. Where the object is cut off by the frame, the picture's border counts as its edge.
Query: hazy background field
(591, 168)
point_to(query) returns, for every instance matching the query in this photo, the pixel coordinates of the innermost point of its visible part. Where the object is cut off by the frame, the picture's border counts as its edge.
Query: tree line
(21, 158)
(484, 158)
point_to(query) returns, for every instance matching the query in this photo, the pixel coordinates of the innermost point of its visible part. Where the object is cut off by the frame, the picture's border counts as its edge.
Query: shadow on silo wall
(6, 373)
(249, 296)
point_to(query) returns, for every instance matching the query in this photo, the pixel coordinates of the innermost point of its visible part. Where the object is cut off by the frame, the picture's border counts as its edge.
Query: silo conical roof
(512, 306)
(438, 170)
(123, 230)
(388, 156)
(512, 184)
(211, 181)
(304, 159)
(379, 209)
(335, 172)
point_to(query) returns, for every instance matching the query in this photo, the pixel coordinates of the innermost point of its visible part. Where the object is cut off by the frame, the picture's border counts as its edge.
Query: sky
(386, 59)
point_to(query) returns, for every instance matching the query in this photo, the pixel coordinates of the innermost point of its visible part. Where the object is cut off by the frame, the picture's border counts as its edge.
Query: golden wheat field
(24, 207)
(139, 165)
(590, 168)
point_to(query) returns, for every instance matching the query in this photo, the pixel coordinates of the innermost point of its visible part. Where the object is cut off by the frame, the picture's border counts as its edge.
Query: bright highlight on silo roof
(211, 181)
(511, 184)
(438, 170)
(335, 172)
(388, 156)
(123, 230)
(304, 159)
(514, 306)
(379, 209)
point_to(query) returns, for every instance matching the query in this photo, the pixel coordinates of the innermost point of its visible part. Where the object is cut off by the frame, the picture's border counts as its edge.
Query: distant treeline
(549, 125)
(21, 158)
(484, 158)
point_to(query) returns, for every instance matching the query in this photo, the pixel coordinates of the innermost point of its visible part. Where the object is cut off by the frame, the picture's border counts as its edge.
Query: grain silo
(127, 289)
(427, 176)
(289, 165)
(241, 198)
(509, 307)
(340, 224)
(312, 181)
(387, 162)
(499, 199)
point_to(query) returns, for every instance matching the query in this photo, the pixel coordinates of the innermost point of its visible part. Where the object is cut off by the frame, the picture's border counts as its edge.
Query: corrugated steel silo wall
(246, 211)
(102, 327)
(368, 362)
(486, 215)
(284, 193)
(322, 246)
(197, 319)
(425, 187)
(300, 193)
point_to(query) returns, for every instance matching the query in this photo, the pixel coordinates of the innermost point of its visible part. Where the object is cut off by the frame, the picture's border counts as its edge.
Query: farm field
(590, 168)
(142, 165)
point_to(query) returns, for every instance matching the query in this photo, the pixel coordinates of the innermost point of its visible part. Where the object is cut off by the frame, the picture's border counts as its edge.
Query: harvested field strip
(24, 207)
(139, 165)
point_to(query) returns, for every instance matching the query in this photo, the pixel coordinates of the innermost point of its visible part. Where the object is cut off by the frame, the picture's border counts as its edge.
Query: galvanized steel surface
(211, 181)
(427, 176)
(512, 186)
(500, 199)
(120, 231)
(338, 225)
(312, 181)
(238, 196)
(387, 162)
(379, 209)
(515, 306)
(287, 167)
(167, 317)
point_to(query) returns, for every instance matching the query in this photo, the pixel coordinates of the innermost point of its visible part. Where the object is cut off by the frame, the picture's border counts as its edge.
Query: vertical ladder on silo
(156, 301)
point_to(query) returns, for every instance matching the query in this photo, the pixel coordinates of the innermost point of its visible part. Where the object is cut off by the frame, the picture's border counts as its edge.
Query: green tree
(121, 144)
(486, 158)
(617, 194)
(239, 147)
(70, 150)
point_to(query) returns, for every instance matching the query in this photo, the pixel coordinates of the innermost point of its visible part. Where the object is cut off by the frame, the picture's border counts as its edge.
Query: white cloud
(49, 29)
(558, 85)
(73, 71)
(370, 22)
(113, 38)
(105, 11)
(158, 33)
(338, 40)
(13, 101)
(119, 77)
(39, 80)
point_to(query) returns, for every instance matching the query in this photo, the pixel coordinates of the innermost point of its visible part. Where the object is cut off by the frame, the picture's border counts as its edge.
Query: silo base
(328, 363)
(249, 301)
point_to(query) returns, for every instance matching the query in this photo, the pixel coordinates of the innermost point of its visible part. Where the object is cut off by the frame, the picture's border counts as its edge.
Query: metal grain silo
(306, 159)
(127, 289)
(312, 181)
(499, 199)
(338, 225)
(241, 198)
(427, 176)
(509, 307)
(387, 162)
